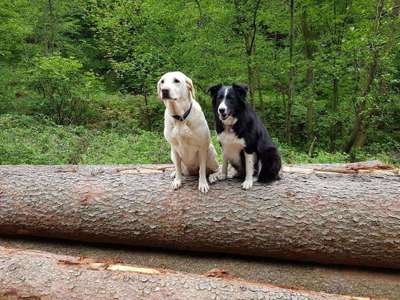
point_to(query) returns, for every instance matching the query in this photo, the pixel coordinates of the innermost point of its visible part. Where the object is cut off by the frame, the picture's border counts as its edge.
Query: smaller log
(27, 274)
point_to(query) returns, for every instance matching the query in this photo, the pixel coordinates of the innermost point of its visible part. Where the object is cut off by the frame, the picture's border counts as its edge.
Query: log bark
(66, 277)
(349, 280)
(311, 214)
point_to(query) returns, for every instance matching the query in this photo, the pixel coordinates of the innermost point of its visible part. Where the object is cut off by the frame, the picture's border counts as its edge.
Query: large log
(344, 280)
(317, 215)
(66, 277)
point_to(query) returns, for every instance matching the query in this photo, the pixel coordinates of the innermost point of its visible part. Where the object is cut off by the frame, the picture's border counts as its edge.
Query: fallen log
(349, 280)
(66, 277)
(324, 217)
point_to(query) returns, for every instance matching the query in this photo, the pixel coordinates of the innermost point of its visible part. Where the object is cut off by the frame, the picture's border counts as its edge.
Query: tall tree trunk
(291, 76)
(357, 136)
(250, 45)
(337, 40)
(42, 275)
(259, 89)
(335, 81)
(316, 213)
(308, 53)
(334, 110)
(250, 74)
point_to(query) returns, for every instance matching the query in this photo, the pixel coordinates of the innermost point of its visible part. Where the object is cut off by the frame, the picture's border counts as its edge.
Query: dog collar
(184, 116)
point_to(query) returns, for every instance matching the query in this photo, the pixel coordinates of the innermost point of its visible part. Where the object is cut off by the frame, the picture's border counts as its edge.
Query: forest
(78, 78)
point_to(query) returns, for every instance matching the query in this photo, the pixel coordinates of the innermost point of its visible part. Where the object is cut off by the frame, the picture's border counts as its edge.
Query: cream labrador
(186, 129)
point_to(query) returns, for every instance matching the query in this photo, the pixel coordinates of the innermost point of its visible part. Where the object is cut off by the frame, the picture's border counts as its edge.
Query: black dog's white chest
(232, 146)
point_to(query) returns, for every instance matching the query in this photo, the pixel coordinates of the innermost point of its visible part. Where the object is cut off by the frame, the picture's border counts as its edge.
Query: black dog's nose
(165, 93)
(221, 110)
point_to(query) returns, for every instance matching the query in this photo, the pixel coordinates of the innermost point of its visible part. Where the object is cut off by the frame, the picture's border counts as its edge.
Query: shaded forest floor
(33, 140)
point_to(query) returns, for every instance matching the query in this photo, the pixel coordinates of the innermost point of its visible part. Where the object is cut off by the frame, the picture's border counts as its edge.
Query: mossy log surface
(311, 214)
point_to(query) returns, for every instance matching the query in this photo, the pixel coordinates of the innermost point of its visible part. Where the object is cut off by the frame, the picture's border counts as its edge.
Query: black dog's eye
(162, 81)
(176, 80)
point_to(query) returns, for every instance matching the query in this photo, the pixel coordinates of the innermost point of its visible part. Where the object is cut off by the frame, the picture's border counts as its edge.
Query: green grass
(29, 140)
(26, 140)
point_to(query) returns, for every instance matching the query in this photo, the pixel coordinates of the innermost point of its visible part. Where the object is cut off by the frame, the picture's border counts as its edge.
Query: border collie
(186, 129)
(245, 142)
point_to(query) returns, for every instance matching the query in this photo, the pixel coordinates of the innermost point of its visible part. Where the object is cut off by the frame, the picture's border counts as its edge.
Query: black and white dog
(245, 142)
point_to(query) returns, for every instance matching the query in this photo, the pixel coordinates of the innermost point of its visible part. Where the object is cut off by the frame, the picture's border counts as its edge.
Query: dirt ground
(375, 283)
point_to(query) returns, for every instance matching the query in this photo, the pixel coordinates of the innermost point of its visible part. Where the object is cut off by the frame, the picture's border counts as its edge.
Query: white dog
(186, 129)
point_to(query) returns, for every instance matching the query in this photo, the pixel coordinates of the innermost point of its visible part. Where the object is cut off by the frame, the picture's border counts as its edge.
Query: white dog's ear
(190, 87)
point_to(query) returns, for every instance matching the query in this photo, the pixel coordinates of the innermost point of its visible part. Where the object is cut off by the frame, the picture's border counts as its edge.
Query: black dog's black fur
(250, 128)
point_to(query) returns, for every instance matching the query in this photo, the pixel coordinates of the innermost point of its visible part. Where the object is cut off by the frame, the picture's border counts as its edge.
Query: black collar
(185, 115)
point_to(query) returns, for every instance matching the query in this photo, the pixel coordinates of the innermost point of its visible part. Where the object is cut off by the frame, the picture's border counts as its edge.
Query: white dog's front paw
(247, 184)
(176, 184)
(216, 176)
(203, 187)
(172, 175)
(222, 176)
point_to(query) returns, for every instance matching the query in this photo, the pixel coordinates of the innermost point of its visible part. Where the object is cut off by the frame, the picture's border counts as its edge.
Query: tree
(291, 75)
(65, 87)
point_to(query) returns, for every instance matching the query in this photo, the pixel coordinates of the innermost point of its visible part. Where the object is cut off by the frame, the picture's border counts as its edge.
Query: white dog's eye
(176, 80)
(162, 81)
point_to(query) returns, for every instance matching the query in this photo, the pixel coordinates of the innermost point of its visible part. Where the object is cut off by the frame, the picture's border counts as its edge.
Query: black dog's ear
(213, 90)
(241, 89)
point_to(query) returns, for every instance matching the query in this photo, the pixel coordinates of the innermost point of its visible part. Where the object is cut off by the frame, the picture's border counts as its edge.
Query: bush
(66, 89)
(128, 113)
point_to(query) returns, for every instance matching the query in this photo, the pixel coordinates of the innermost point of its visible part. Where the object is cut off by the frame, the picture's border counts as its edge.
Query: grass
(25, 140)
(29, 140)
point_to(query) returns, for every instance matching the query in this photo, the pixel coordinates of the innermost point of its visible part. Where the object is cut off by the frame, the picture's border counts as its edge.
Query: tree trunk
(344, 280)
(250, 75)
(259, 90)
(357, 132)
(334, 109)
(308, 53)
(357, 136)
(343, 9)
(67, 277)
(291, 77)
(320, 214)
(250, 45)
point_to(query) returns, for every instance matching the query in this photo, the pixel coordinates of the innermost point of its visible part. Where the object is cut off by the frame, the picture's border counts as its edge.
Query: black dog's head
(228, 101)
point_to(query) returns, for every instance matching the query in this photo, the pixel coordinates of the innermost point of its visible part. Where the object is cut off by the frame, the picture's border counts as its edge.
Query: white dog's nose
(165, 94)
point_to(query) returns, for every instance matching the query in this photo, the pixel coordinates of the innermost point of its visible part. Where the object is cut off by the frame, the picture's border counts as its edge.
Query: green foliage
(96, 63)
(26, 140)
(65, 88)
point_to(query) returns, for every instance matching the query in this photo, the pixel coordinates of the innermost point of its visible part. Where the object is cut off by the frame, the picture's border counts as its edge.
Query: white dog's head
(175, 86)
